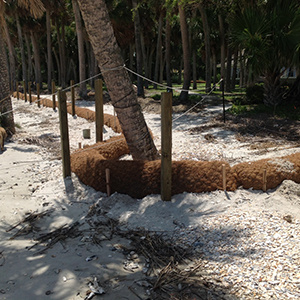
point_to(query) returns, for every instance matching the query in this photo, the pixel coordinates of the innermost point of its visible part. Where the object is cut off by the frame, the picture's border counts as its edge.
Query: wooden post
(224, 176)
(166, 146)
(18, 93)
(64, 133)
(29, 92)
(99, 110)
(264, 180)
(73, 97)
(38, 94)
(79, 145)
(24, 88)
(53, 95)
(223, 97)
(107, 176)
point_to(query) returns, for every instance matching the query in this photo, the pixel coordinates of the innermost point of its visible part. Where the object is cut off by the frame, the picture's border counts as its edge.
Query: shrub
(254, 94)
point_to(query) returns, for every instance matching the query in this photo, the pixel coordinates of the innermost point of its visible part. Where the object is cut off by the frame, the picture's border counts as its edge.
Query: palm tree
(270, 35)
(206, 30)
(36, 9)
(186, 53)
(81, 54)
(138, 48)
(110, 61)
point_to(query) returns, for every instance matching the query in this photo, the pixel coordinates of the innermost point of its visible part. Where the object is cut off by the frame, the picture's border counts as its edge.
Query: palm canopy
(270, 35)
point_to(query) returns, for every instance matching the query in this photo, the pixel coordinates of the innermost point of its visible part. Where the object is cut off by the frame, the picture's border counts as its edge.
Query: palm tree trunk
(158, 48)
(119, 85)
(36, 55)
(29, 61)
(228, 70)
(222, 42)
(81, 54)
(207, 47)
(6, 120)
(63, 55)
(186, 55)
(168, 53)
(21, 44)
(234, 69)
(138, 48)
(11, 51)
(49, 50)
(144, 52)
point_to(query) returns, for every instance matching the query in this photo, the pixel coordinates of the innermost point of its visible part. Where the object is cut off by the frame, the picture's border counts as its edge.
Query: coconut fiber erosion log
(141, 178)
(250, 174)
(109, 120)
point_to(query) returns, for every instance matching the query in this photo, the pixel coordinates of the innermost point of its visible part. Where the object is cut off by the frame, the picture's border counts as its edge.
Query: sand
(31, 182)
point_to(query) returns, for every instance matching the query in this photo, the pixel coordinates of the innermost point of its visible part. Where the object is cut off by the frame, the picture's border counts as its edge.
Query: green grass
(286, 110)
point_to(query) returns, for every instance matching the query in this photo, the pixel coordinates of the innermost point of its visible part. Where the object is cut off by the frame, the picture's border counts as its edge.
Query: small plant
(238, 109)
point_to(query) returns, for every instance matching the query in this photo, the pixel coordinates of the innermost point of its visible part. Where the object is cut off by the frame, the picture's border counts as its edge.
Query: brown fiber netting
(141, 178)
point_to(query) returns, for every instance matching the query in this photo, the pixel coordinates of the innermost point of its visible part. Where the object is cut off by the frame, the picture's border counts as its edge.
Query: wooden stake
(18, 93)
(99, 110)
(79, 145)
(224, 176)
(38, 94)
(166, 146)
(107, 176)
(264, 180)
(73, 97)
(29, 92)
(53, 95)
(64, 133)
(115, 120)
(25, 93)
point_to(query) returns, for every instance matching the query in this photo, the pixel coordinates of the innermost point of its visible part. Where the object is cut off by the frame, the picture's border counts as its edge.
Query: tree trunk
(11, 51)
(63, 55)
(168, 53)
(234, 69)
(6, 120)
(146, 83)
(21, 44)
(228, 70)
(138, 48)
(186, 55)
(57, 65)
(119, 85)
(194, 70)
(36, 55)
(131, 56)
(29, 61)
(81, 54)
(59, 43)
(207, 47)
(222, 42)
(49, 50)
(242, 70)
(214, 65)
(158, 48)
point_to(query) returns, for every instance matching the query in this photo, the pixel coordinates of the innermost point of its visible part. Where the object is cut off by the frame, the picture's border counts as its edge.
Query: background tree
(36, 9)
(270, 34)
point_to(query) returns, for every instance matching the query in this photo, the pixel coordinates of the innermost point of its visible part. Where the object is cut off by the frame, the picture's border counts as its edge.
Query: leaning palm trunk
(6, 120)
(108, 55)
